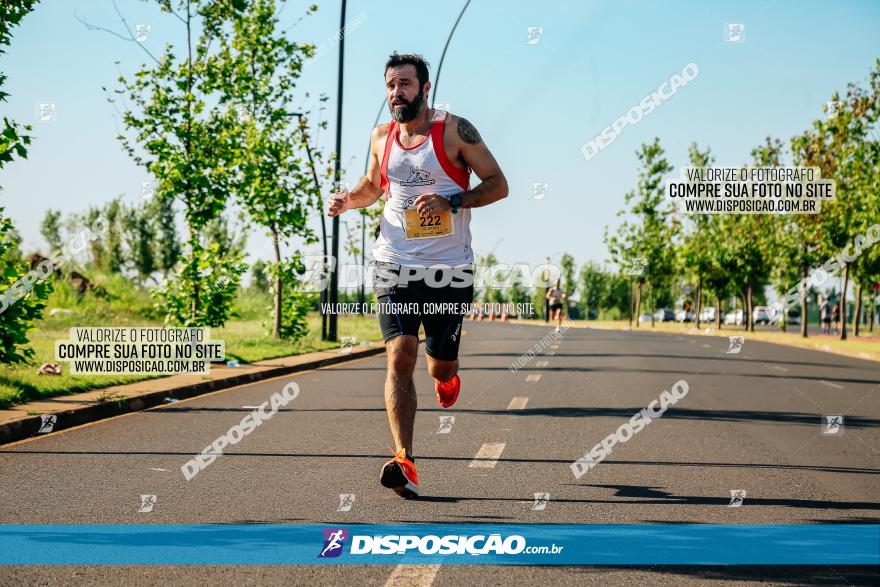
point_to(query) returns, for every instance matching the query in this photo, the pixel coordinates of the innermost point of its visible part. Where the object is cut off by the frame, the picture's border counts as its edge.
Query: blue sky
(535, 105)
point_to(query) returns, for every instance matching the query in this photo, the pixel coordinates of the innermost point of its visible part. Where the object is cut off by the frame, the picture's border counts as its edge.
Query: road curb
(26, 427)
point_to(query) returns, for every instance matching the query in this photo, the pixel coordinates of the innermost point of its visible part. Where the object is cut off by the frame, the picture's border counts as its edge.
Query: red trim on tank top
(456, 174)
(383, 169)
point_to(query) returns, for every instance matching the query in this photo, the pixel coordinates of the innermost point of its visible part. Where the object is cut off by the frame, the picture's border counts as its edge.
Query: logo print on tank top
(417, 176)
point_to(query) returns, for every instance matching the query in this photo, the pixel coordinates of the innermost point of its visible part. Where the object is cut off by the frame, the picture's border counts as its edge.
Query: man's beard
(409, 110)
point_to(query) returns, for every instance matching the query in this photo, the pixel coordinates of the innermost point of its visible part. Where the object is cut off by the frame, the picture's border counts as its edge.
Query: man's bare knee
(402, 354)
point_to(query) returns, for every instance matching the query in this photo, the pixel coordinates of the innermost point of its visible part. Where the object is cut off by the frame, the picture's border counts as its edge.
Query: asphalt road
(751, 421)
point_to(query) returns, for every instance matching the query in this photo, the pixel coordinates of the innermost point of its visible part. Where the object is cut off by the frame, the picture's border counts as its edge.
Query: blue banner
(469, 544)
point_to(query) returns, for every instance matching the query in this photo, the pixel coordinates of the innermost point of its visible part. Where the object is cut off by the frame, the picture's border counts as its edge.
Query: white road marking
(487, 456)
(155, 469)
(780, 368)
(540, 364)
(518, 403)
(705, 346)
(554, 346)
(834, 385)
(412, 576)
(533, 377)
(250, 407)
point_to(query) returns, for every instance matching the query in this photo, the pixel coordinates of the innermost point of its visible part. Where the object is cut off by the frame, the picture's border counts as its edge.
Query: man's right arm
(368, 189)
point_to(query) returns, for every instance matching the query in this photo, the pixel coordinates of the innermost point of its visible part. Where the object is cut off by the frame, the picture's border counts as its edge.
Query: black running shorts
(407, 303)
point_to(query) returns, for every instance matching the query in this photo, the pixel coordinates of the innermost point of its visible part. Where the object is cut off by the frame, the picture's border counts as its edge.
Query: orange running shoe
(400, 475)
(447, 391)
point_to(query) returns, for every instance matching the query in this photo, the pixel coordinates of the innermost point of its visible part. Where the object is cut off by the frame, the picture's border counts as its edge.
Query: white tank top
(407, 174)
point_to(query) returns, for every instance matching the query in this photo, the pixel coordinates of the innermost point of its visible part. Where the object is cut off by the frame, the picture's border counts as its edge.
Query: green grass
(246, 337)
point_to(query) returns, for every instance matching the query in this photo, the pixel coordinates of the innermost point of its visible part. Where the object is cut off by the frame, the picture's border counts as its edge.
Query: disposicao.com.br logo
(452, 544)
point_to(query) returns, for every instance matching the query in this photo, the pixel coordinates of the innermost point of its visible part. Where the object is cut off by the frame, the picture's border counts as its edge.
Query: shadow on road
(676, 357)
(652, 495)
(799, 418)
(426, 457)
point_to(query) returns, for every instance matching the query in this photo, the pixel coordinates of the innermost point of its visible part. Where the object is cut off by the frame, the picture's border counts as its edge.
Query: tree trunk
(276, 319)
(718, 312)
(857, 318)
(653, 309)
(784, 319)
(638, 303)
(630, 306)
(699, 300)
(196, 278)
(842, 303)
(805, 306)
(873, 313)
(751, 319)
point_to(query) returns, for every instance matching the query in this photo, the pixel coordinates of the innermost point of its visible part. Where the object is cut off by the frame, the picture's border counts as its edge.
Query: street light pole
(334, 272)
(305, 139)
(443, 55)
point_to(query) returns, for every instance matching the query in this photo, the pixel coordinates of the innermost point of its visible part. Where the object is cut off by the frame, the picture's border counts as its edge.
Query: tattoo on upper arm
(467, 132)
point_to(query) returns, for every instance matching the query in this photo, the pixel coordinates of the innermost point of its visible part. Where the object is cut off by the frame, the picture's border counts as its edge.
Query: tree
(592, 285)
(569, 283)
(260, 276)
(140, 236)
(806, 229)
(185, 140)
(167, 244)
(257, 71)
(219, 231)
(616, 294)
(21, 303)
(518, 294)
(11, 243)
(696, 252)
(753, 238)
(493, 290)
(114, 212)
(842, 147)
(644, 245)
(50, 229)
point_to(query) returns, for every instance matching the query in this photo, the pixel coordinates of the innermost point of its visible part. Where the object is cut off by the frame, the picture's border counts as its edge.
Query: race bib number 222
(428, 226)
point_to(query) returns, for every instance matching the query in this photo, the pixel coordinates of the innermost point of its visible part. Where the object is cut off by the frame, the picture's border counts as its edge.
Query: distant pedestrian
(825, 315)
(835, 317)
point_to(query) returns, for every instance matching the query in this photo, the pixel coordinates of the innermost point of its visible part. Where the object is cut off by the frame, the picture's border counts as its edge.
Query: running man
(421, 162)
(554, 297)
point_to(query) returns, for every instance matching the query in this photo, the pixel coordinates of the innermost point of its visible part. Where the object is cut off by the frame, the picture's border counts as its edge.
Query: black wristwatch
(455, 202)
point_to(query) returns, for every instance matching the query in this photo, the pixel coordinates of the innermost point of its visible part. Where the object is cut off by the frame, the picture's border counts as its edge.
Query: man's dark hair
(396, 60)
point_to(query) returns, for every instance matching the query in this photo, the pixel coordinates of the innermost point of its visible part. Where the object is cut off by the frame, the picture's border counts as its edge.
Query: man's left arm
(476, 155)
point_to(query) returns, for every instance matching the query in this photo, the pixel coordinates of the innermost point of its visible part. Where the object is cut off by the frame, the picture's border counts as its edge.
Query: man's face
(405, 96)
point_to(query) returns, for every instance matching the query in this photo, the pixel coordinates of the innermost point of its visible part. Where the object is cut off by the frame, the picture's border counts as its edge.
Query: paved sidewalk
(27, 419)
